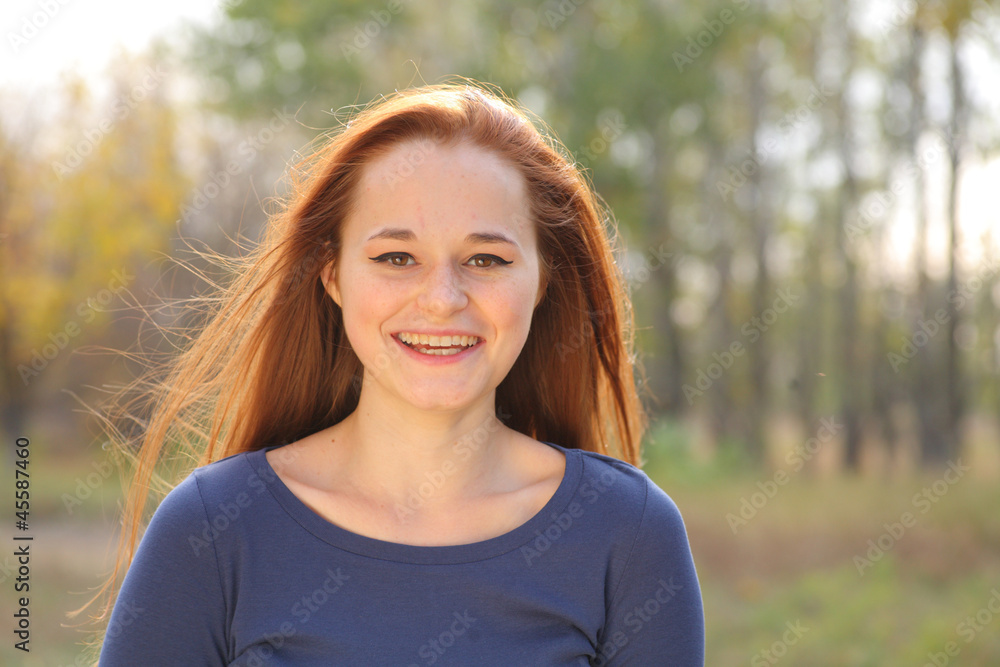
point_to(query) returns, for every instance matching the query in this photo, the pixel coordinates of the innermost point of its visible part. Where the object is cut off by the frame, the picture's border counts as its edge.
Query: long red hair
(272, 364)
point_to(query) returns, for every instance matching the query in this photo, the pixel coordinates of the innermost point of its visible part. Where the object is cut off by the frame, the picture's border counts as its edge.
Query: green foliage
(660, 103)
(717, 132)
(793, 562)
(669, 454)
(884, 619)
(908, 604)
(90, 203)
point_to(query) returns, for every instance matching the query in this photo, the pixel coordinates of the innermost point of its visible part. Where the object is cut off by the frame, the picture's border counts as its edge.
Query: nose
(442, 292)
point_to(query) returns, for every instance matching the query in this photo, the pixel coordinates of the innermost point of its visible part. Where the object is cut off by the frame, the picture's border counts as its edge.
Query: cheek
(513, 306)
(364, 305)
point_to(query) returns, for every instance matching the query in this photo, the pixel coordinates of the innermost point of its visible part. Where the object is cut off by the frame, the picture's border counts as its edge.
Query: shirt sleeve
(171, 609)
(656, 616)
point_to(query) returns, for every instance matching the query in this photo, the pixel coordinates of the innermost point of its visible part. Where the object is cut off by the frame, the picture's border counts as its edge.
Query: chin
(438, 399)
(439, 405)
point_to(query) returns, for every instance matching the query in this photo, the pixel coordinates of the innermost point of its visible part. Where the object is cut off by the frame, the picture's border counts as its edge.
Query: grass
(803, 557)
(793, 562)
(73, 505)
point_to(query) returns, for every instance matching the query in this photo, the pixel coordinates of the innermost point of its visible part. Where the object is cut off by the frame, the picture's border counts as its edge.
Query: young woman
(436, 325)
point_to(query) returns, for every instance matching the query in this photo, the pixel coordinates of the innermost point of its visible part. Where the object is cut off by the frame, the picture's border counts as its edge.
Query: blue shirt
(235, 570)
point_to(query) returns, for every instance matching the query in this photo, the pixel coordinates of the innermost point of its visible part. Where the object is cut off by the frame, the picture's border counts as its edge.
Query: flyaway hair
(271, 362)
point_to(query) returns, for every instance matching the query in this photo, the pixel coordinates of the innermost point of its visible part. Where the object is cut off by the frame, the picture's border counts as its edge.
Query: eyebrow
(393, 234)
(399, 234)
(489, 237)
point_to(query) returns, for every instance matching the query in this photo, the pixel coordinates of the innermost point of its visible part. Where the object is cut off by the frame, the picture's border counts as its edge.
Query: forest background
(805, 192)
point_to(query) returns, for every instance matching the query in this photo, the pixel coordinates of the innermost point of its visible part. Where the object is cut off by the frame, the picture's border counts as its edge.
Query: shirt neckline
(424, 555)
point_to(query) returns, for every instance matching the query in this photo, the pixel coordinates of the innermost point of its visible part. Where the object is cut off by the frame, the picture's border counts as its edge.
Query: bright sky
(42, 38)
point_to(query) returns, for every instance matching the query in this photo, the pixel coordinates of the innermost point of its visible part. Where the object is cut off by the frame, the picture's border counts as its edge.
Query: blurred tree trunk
(810, 349)
(953, 374)
(13, 390)
(850, 371)
(722, 404)
(925, 391)
(760, 224)
(76, 233)
(879, 374)
(666, 377)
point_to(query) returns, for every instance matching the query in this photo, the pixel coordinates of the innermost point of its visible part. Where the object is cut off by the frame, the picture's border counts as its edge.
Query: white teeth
(441, 352)
(438, 341)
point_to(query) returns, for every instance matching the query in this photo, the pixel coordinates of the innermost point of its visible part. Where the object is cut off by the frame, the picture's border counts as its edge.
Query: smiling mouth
(437, 345)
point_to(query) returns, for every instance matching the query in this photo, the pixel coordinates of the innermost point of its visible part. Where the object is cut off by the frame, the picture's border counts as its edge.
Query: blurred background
(806, 195)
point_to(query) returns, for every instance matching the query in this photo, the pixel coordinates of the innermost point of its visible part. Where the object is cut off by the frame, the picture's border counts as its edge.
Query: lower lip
(438, 359)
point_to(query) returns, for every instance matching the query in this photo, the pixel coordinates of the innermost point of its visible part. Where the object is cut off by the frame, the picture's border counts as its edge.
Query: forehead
(430, 186)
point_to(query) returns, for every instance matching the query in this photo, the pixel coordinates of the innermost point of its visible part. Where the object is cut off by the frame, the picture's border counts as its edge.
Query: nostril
(442, 296)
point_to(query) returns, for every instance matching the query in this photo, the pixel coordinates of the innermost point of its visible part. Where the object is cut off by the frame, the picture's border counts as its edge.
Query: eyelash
(386, 257)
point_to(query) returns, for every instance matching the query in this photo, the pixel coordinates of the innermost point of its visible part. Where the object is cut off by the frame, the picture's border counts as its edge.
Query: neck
(422, 459)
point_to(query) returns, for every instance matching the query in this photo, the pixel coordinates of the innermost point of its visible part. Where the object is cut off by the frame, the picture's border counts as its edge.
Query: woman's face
(438, 274)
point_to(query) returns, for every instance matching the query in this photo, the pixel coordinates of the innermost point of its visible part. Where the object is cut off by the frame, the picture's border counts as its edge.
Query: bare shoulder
(304, 462)
(543, 464)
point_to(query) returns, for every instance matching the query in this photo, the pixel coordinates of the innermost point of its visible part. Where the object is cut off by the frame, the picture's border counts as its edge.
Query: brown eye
(400, 259)
(487, 261)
